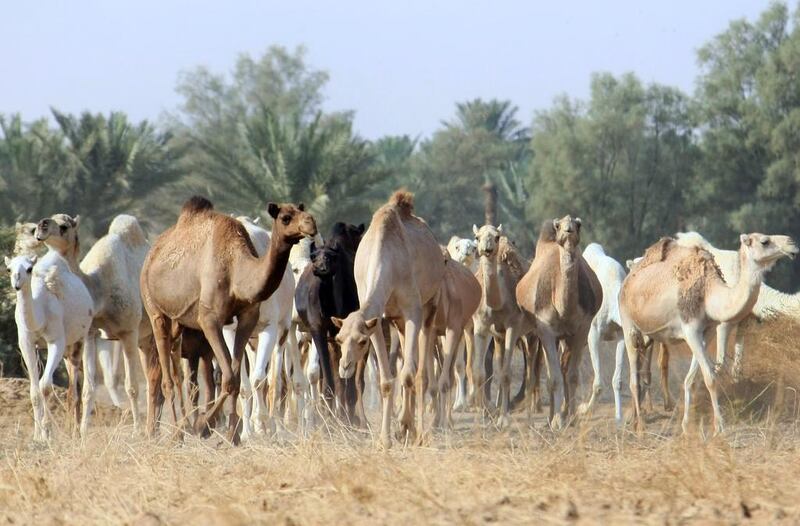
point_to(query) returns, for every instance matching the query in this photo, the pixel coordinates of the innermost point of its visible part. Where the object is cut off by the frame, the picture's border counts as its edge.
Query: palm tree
(497, 117)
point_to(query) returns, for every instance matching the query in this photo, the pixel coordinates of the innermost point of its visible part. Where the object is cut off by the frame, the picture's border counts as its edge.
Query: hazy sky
(400, 65)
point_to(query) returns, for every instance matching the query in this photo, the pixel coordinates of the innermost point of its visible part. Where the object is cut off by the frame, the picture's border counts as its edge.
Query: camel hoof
(386, 442)
(584, 408)
(557, 424)
(503, 422)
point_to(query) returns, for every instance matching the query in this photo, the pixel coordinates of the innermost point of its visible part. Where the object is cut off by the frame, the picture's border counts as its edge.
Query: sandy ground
(475, 474)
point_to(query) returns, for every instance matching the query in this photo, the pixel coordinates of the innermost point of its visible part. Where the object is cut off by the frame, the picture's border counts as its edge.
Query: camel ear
(578, 221)
(6, 260)
(272, 210)
(475, 229)
(371, 323)
(745, 239)
(256, 220)
(337, 321)
(76, 221)
(555, 223)
(500, 228)
(301, 207)
(34, 259)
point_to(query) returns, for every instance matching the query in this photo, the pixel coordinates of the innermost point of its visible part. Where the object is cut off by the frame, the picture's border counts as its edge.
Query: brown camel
(562, 294)
(203, 272)
(498, 316)
(399, 270)
(678, 294)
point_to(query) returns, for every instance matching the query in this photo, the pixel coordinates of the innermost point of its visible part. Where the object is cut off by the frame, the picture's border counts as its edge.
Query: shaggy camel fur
(562, 295)
(110, 270)
(399, 270)
(606, 325)
(203, 272)
(498, 316)
(52, 304)
(771, 303)
(678, 294)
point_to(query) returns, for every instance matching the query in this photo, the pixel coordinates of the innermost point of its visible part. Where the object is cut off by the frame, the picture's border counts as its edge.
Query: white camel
(54, 305)
(606, 325)
(465, 251)
(771, 303)
(110, 271)
(275, 344)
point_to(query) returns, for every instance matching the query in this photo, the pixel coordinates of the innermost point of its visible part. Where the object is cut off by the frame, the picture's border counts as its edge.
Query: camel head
(353, 339)
(487, 239)
(292, 223)
(765, 250)
(59, 232)
(20, 269)
(325, 261)
(463, 250)
(568, 231)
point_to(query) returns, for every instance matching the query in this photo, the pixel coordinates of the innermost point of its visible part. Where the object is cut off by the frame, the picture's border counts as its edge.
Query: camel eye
(29, 270)
(286, 220)
(765, 242)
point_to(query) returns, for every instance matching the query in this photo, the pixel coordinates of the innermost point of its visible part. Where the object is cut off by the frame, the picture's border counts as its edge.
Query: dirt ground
(590, 473)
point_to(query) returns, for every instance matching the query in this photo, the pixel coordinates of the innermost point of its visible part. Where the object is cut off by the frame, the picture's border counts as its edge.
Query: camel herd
(292, 325)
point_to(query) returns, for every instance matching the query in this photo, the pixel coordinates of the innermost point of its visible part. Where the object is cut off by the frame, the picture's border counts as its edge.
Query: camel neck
(732, 304)
(566, 293)
(265, 279)
(27, 306)
(491, 296)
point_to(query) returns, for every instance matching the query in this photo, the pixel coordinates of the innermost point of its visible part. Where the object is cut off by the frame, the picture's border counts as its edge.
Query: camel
(458, 301)
(561, 294)
(465, 251)
(399, 270)
(52, 304)
(204, 271)
(110, 270)
(770, 305)
(498, 315)
(606, 325)
(678, 294)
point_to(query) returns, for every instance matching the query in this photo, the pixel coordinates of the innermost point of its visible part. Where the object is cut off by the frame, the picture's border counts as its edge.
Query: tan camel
(203, 272)
(110, 270)
(498, 315)
(678, 294)
(459, 298)
(562, 294)
(399, 270)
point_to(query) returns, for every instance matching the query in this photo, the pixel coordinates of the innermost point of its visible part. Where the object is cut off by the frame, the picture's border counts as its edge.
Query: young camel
(52, 304)
(110, 270)
(678, 294)
(203, 272)
(562, 295)
(498, 315)
(464, 251)
(399, 270)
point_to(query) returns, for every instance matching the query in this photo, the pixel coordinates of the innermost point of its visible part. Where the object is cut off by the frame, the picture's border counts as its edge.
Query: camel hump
(657, 252)
(404, 201)
(196, 204)
(128, 229)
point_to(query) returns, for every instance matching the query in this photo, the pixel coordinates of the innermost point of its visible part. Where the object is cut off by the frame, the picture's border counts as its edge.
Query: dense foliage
(635, 161)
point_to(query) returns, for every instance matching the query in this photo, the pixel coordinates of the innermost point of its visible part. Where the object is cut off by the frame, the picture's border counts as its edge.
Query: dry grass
(475, 474)
(591, 473)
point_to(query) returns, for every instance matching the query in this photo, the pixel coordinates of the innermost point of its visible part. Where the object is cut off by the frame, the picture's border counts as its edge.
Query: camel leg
(105, 357)
(130, 346)
(510, 342)
(663, 365)
(687, 393)
(28, 348)
(616, 381)
(738, 356)
(632, 348)
(593, 342)
(408, 373)
(313, 378)
(89, 386)
(646, 378)
(424, 382)
(536, 374)
(162, 331)
(386, 385)
(149, 359)
(265, 352)
(246, 322)
(725, 331)
(481, 344)
(72, 362)
(555, 380)
(275, 388)
(469, 339)
(460, 377)
(297, 379)
(191, 391)
(574, 346)
(453, 346)
(694, 337)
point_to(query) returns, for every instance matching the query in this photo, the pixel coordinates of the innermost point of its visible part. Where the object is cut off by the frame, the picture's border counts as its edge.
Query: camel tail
(404, 200)
(196, 204)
